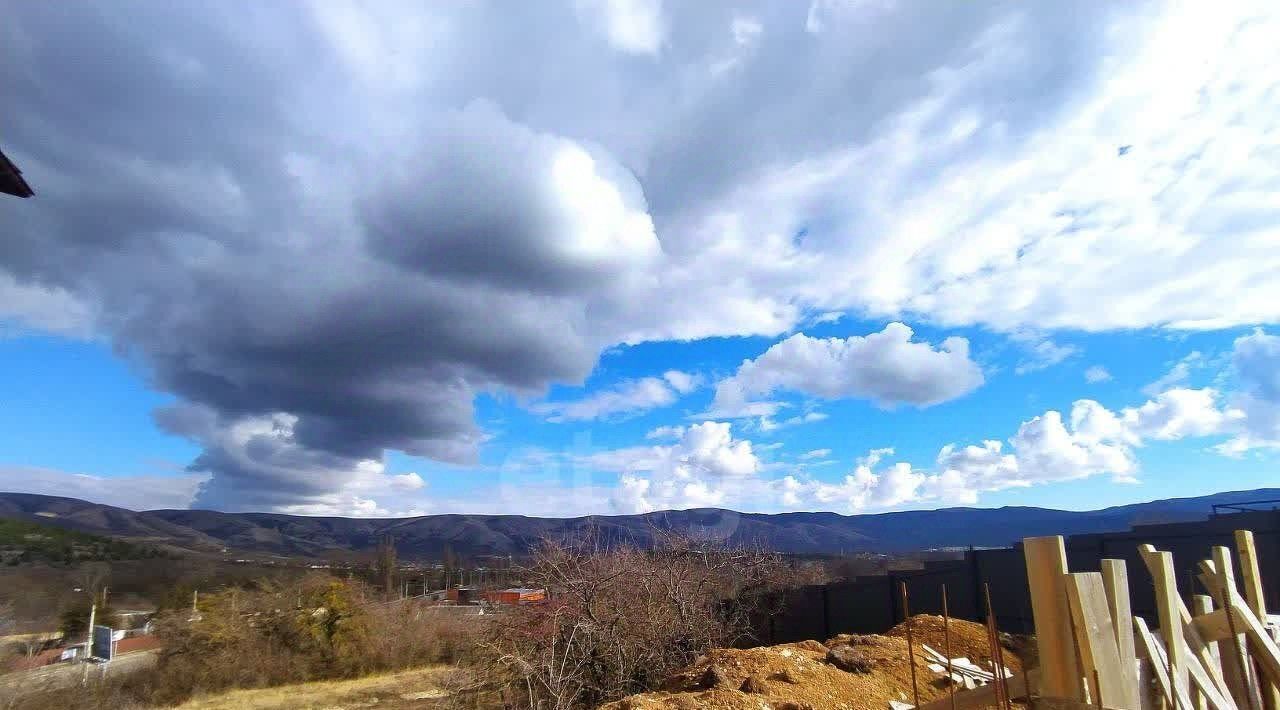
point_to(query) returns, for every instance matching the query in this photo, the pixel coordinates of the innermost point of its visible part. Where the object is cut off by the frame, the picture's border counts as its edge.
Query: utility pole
(104, 596)
(88, 643)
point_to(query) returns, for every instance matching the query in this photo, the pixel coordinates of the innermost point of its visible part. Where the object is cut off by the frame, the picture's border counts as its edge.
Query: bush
(619, 621)
(274, 634)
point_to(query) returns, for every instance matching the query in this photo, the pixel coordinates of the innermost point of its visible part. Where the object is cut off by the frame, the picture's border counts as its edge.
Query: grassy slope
(416, 688)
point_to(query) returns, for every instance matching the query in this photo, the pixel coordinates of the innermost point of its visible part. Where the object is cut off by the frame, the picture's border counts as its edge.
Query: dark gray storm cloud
(326, 230)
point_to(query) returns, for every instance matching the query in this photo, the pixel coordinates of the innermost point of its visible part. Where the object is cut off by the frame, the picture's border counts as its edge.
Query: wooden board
(1167, 603)
(1096, 640)
(1202, 691)
(1262, 648)
(1190, 632)
(1237, 670)
(1046, 567)
(1252, 579)
(1203, 604)
(1115, 580)
(1175, 697)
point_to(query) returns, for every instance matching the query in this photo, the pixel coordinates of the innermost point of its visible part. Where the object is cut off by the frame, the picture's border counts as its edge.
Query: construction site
(1209, 645)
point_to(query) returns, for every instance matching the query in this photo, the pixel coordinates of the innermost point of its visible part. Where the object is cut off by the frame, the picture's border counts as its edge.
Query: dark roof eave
(11, 181)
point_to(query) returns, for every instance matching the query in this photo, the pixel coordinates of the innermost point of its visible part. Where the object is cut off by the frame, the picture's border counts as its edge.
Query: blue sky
(601, 257)
(75, 407)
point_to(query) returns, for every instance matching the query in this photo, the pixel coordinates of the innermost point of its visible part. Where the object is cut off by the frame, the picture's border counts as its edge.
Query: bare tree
(620, 620)
(385, 564)
(92, 576)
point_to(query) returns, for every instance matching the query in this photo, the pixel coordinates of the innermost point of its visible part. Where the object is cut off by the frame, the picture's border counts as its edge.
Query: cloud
(1096, 374)
(985, 467)
(703, 468)
(493, 230)
(629, 397)
(370, 495)
(682, 382)
(1179, 413)
(631, 26)
(141, 492)
(1178, 374)
(745, 30)
(815, 454)
(866, 488)
(1256, 361)
(665, 432)
(265, 305)
(767, 423)
(1047, 448)
(1041, 352)
(34, 307)
(887, 367)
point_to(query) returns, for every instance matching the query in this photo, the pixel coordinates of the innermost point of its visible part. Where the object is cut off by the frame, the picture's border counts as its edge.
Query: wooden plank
(1115, 580)
(1237, 669)
(1190, 632)
(1046, 565)
(1096, 640)
(1146, 685)
(1204, 682)
(1250, 574)
(1167, 602)
(1203, 604)
(1262, 647)
(1252, 578)
(1175, 697)
(1203, 691)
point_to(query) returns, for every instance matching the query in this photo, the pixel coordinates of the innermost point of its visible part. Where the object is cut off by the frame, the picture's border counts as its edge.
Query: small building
(462, 595)
(516, 596)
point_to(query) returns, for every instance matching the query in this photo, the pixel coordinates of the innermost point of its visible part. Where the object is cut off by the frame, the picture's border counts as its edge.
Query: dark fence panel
(872, 604)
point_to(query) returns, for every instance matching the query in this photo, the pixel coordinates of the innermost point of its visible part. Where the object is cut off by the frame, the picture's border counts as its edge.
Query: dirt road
(64, 674)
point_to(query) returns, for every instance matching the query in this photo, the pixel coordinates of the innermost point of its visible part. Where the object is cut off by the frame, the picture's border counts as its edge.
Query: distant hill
(427, 537)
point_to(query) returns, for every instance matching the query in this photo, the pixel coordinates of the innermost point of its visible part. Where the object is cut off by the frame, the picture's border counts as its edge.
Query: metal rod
(995, 667)
(911, 653)
(946, 643)
(997, 653)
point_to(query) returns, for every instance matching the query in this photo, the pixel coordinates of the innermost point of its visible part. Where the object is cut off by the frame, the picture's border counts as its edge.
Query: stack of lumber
(961, 671)
(1219, 653)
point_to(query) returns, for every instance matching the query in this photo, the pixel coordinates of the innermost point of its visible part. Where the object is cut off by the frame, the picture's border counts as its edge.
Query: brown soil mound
(800, 676)
(967, 639)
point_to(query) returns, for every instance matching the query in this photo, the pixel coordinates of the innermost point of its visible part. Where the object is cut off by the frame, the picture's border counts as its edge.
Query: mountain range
(427, 537)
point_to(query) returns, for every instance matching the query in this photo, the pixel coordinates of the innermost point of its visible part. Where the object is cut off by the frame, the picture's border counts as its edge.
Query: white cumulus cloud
(888, 367)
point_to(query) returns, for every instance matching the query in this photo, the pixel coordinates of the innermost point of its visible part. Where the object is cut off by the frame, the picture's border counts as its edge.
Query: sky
(615, 256)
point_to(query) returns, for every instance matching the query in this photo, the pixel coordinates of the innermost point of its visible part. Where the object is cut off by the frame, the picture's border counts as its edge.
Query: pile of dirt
(849, 672)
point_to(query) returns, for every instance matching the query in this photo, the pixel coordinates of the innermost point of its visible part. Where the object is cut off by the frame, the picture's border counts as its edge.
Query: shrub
(620, 620)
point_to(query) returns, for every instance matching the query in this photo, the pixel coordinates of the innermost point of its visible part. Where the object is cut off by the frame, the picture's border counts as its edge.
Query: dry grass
(415, 688)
